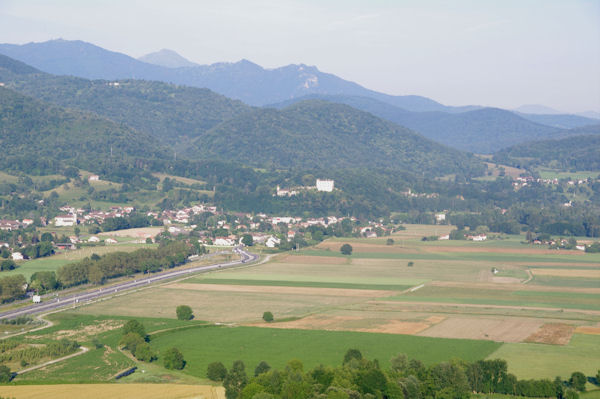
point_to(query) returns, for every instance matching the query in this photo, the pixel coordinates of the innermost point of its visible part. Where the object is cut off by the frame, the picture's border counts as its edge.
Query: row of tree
(359, 378)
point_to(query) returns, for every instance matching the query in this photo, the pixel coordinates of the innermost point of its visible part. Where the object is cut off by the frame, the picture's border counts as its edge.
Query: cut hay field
(110, 391)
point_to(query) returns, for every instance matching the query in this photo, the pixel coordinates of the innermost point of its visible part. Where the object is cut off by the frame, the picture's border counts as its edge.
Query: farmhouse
(17, 256)
(94, 178)
(9, 225)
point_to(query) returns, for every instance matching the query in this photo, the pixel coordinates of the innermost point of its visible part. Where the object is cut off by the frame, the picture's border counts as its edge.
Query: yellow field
(114, 391)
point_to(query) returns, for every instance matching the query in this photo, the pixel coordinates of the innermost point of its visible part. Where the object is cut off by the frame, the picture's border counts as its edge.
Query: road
(69, 300)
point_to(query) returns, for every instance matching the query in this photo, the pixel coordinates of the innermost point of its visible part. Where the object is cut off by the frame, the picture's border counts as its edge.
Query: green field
(503, 297)
(527, 360)
(52, 263)
(202, 346)
(556, 174)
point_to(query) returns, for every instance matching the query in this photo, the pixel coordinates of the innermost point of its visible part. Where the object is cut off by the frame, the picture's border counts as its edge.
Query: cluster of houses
(524, 181)
(409, 193)
(9, 225)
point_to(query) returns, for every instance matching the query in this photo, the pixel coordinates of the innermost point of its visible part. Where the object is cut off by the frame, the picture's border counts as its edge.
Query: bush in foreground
(268, 317)
(184, 312)
(173, 359)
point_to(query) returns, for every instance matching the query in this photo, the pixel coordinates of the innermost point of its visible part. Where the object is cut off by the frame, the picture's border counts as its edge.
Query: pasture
(202, 346)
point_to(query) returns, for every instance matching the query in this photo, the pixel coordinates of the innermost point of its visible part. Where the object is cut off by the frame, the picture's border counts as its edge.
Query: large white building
(65, 220)
(325, 185)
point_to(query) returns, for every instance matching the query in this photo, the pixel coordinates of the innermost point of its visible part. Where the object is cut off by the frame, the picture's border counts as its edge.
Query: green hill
(173, 114)
(35, 135)
(572, 153)
(319, 134)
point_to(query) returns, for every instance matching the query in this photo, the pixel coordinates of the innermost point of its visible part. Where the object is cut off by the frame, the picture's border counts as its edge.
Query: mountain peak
(167, 58)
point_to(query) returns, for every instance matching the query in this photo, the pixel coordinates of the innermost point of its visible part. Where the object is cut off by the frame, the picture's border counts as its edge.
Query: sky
(494, 53)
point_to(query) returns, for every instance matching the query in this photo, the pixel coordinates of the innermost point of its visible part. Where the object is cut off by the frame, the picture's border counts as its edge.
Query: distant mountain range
(167, 58)
(241, 80)
(201, 124)
(182, 115)
(484, 130)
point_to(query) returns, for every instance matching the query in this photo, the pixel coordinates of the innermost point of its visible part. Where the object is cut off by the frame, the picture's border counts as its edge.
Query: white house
(65, 220)
(110, 241)
(325, 185)
(93, 239)
(272, 242)
(17, 256)
(224, 241)
(444, 237)
(440, 217)
(37, 299)
(94, 178)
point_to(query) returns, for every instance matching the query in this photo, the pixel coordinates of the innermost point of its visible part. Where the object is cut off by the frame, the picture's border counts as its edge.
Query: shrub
(268, 317)
(184, 312)
(216, 371)
(262, 367)
(578, 380)
(130, 341)
(346, 249)
(410, 264)
(5, 374)
(134, 326)
(352, 354)
(144, 352)
(389, 241)
(173, 359)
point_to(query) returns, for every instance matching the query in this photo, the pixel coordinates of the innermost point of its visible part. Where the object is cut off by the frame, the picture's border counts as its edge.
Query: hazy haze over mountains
(167, 58)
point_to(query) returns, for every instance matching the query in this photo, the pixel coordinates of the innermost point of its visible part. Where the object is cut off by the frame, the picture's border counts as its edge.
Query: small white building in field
(17, 256)
(37, 299)
(325, 185)
(110, 241)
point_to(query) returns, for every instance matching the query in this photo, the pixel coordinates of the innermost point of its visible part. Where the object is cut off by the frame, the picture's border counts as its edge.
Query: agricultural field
(52, 263)
(430, 299)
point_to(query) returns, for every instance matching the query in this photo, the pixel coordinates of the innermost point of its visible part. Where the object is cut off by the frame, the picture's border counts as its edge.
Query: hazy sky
(498, 53)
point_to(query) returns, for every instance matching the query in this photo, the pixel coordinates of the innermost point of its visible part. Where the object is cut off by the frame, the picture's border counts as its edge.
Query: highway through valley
(53, 303)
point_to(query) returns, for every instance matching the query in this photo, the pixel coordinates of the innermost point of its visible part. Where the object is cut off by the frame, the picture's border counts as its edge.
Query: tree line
(359, 378)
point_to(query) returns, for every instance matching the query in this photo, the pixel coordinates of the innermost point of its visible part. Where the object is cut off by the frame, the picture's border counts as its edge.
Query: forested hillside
(35, 136)
(572, 153)
(480, 131)
(171, 113)
(319, 134)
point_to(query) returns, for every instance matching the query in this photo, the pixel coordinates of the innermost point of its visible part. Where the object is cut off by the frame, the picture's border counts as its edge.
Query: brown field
(217, 306)
(114, 391)
(566, 273)
(495, 329)
(552, 333)
(368, 247)
(141, 232)
(487, 249)
(337, 292)
(587, 330)
(321, 260)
